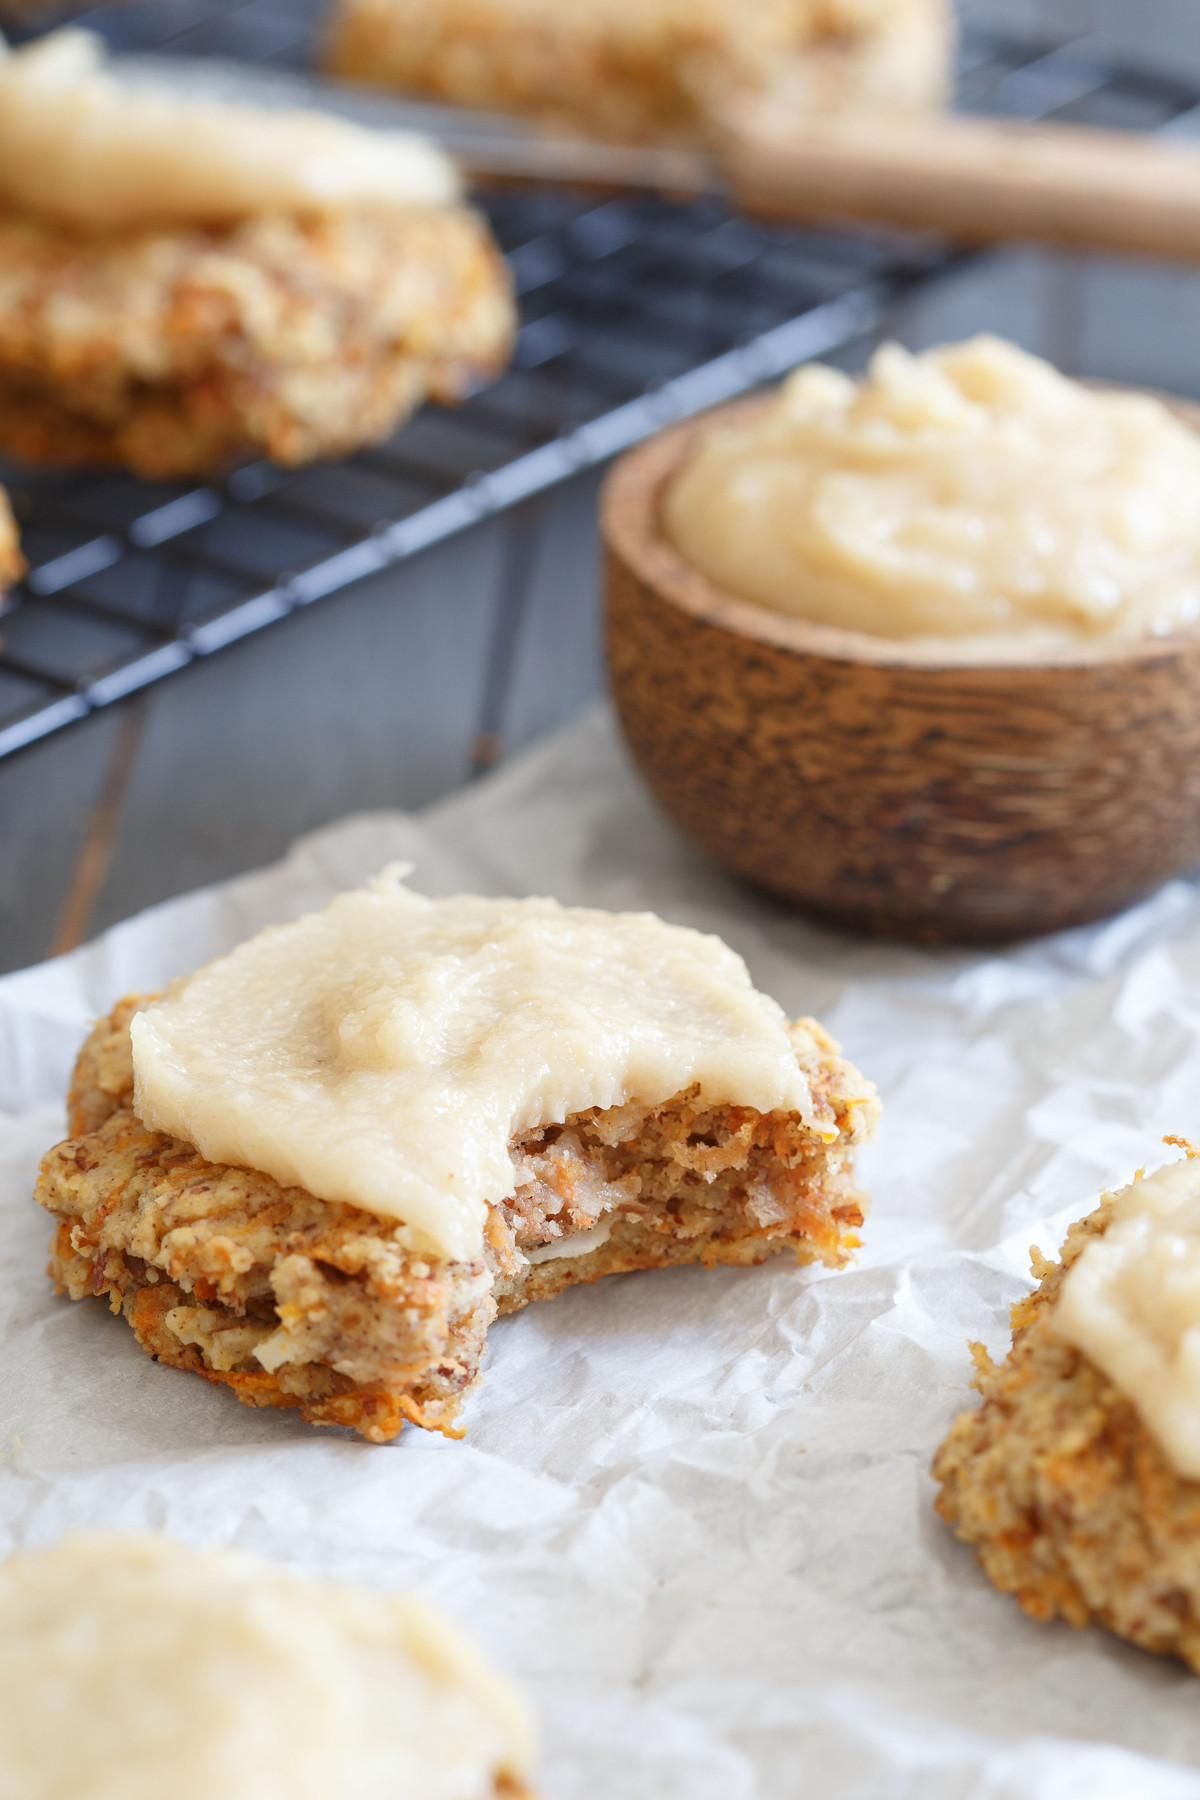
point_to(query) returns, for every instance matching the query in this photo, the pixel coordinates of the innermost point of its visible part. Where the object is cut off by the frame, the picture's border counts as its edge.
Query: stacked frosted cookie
(131, 1667)
(317, 1170)
(185, 282)
(648, 71)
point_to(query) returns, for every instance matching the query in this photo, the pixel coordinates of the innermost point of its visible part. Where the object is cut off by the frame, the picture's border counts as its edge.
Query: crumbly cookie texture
(291, 1301)
(647, 71)
(1067, 1499)
(180, 351)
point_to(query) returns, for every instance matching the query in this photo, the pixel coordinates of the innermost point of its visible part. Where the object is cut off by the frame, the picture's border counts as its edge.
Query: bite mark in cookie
(292, 1301)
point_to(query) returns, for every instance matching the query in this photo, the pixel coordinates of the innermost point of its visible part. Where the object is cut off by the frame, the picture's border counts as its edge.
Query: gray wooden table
(402, 689)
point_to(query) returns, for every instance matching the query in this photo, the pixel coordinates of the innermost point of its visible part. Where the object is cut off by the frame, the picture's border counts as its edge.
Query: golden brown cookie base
(292, 1301)
(428, 1395)
(178, 352)
(1067, 1499)
(648, 71)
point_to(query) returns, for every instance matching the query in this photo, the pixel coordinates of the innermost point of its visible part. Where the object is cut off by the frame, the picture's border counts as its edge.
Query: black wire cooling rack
(634, 311)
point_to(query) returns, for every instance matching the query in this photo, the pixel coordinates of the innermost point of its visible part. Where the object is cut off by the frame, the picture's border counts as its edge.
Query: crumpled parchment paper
(692, 1512)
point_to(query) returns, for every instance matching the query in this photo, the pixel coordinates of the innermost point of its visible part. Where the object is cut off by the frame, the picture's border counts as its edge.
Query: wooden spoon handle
(973, 179)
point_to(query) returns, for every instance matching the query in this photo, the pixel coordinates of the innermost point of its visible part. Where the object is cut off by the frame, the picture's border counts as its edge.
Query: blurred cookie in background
(648, 71)
(132, 1666)
(1077, 1480)
(186, 282)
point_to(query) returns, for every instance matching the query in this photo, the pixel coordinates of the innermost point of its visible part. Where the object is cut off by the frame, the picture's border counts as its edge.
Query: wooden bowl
(879, 789)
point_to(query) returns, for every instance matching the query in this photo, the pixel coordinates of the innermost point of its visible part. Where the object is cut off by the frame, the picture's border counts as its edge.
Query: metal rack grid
(634, 312)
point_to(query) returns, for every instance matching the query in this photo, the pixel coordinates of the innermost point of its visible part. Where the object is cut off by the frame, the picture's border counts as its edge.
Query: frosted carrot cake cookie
(185, 282)
(318, 1169)
(969, 500)
(646, 71)
(1078, 1479)
(131, 1667)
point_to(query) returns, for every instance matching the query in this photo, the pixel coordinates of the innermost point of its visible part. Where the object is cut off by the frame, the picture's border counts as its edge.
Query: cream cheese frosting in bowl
(920, 653)
(969, 499)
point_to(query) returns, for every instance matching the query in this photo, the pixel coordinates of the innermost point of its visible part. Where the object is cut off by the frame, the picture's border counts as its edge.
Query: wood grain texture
(976, 180)
(48, 797)
(373, 698)
(370, 699)
(847, 774)
(556, 664)
(95, 857)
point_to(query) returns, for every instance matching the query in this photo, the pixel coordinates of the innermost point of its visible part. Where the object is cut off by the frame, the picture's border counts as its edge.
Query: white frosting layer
(969, 495)
(131, 1668)
(383, 1052)
(80, 146)
(1132, 1304)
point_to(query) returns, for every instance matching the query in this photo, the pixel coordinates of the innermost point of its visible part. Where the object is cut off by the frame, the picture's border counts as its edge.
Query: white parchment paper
(692, 1512)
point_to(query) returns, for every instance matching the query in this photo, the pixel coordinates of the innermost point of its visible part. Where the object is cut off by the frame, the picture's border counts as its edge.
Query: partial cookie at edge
(1064, 1495)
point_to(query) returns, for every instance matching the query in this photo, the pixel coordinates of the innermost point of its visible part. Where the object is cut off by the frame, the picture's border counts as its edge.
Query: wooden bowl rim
(630, 524)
